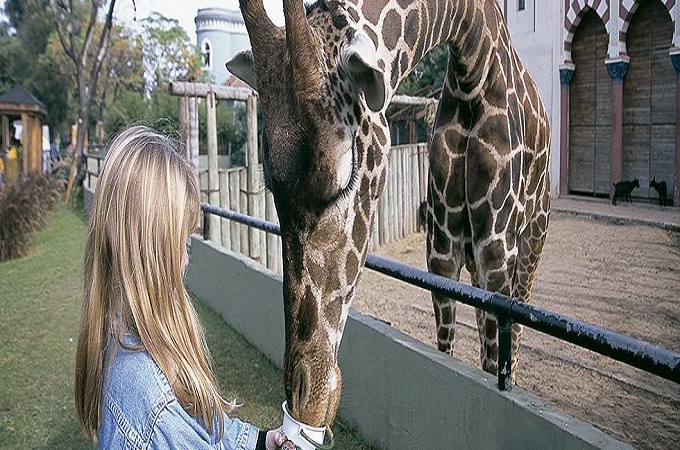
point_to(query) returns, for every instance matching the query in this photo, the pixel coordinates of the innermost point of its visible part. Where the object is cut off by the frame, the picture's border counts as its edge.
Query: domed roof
(229, 15)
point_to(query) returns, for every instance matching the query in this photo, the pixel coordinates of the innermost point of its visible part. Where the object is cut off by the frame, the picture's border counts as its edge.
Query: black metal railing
(642, 355)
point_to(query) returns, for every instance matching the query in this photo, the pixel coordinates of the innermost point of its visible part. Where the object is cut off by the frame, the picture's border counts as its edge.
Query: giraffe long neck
(405, 30)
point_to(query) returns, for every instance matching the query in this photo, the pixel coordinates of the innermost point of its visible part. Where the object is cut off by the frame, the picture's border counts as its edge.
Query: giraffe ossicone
(324, 83)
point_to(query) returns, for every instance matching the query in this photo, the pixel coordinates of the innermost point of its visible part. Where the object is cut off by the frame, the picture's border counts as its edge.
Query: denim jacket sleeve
(140, 411)
(175, 429)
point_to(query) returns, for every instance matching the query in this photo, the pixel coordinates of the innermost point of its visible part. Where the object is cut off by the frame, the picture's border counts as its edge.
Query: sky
(185, 10)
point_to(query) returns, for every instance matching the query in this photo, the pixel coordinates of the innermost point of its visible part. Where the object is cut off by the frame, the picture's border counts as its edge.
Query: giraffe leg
(486, 325)
(531, 246)
(444, 259)
(447, 223)
(445, 307)
(491, 270)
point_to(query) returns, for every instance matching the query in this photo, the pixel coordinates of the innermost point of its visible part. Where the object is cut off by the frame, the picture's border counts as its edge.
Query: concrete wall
(399, 392)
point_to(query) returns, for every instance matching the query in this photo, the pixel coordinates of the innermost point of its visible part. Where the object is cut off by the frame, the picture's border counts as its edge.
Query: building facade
(220, 34)
(608, 73)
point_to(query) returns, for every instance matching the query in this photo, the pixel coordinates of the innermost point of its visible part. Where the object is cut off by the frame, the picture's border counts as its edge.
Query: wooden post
(243, 208)
(234, 201)
(193, 131)
(224, 203)
(213, 180)
(183, 118)
(25, 144)
(5, 134)
(253, 187)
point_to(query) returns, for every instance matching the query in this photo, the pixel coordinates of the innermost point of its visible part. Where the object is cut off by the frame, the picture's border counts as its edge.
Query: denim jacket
(140, 411)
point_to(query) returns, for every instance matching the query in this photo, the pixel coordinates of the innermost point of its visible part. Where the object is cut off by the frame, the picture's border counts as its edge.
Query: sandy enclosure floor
(623, 277)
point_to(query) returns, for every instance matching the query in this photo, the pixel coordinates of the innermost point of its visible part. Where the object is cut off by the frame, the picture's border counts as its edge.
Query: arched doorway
(590, 95)
(649, 99)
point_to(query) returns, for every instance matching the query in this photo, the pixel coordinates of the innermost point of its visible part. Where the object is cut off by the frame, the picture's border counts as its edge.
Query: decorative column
(675, 59)
(566, 74)
(617, 71)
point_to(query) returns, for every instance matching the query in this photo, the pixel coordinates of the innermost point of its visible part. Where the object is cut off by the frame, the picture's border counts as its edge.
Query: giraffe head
(323, 96)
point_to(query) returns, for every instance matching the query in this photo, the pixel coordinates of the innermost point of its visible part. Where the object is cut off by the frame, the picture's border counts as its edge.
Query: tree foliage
(168, 53)
(25, 59)
(428, 75)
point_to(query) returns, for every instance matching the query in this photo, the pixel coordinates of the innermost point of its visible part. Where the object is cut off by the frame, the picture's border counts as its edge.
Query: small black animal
(422, 215)
(623, 189)
(661, 189)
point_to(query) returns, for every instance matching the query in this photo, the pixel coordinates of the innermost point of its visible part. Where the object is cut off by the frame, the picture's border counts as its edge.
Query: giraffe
(325, 81)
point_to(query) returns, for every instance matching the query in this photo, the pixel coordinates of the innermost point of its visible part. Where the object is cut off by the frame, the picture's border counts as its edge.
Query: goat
(661, 189)
(422, 216)
(623, 189)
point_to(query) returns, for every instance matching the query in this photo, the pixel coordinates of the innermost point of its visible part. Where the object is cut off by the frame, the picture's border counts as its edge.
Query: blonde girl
(143, 374)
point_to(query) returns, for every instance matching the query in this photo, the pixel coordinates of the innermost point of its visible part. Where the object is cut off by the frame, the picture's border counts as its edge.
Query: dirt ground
(623, 277)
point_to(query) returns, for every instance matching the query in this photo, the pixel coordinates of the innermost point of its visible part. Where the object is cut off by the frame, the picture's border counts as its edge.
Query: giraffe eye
(348, 169)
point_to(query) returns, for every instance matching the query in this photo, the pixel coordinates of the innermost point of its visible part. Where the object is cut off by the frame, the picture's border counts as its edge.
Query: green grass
(40, 298)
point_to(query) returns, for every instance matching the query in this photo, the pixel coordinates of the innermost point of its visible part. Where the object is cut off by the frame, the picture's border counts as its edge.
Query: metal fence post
(206, 225)
(504, 352)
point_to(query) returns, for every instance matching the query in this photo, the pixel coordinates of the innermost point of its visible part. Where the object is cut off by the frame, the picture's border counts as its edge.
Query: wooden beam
(215, 233)
(409, 100)
(185, 88)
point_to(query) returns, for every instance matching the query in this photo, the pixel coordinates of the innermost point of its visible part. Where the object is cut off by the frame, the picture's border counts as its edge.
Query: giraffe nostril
(300, 389)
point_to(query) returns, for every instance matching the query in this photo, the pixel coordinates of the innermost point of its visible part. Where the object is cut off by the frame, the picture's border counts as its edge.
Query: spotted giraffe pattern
(325, 161)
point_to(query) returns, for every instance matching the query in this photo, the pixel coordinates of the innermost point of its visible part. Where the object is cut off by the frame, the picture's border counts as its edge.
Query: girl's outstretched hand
(274, 439)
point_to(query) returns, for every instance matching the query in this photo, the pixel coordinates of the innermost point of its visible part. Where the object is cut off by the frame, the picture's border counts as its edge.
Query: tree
(123, 67)
(31, 20)
(168, 53)
(27, 59)
(159, 111)
(9, 48)
(85, 44)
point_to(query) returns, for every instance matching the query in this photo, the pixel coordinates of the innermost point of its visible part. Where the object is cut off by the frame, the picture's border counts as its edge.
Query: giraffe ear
(242, 66)
(360, 61)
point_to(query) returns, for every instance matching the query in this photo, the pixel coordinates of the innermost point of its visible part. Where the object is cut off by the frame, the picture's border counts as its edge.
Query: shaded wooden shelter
(19, 103)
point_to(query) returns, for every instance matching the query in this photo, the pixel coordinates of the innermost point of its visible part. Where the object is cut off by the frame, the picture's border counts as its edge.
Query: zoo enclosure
(239, 208)
(642, 355)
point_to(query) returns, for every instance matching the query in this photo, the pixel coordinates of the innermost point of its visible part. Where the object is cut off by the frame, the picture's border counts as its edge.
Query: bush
(24, 206)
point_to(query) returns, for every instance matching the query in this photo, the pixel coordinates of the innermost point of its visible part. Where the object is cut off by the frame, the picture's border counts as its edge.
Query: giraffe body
(324, 87)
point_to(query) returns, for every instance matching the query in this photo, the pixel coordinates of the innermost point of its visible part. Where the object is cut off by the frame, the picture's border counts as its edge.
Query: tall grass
(24, 205)
(40, 297)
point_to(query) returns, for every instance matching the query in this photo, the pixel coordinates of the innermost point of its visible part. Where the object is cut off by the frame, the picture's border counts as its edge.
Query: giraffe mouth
(313, 394)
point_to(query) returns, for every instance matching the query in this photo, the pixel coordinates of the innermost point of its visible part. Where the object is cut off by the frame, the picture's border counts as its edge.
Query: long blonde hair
(145, 206)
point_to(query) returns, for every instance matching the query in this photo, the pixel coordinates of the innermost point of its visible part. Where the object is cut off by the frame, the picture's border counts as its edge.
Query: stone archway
(649, 98)
(590, 102)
